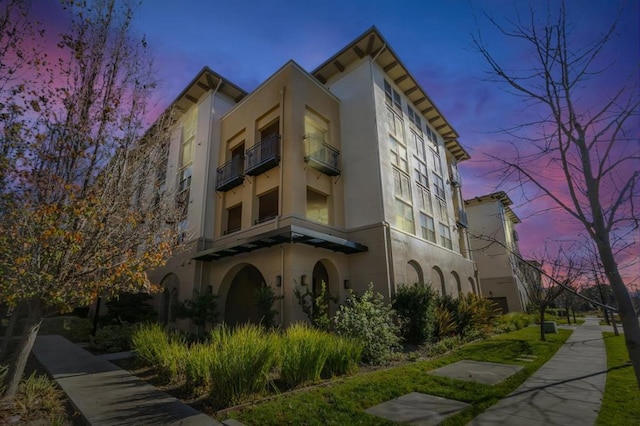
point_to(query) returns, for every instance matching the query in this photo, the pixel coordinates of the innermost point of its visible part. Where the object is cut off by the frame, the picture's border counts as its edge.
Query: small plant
(414, 306)
(444, 323)
(38, 397)
(473, 312)
(265, 298)
(201, 310)
(242, 360)
(369, 319)
(316, 306)
(304, 351)
(112, 338)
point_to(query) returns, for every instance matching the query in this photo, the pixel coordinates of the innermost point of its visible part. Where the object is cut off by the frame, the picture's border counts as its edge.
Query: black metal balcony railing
(263, 156)
(230, 174)
(462, 218)
(321, 156)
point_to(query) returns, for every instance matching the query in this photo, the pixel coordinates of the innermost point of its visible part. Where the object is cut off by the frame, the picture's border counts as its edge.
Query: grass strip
(621, 403)
(343, 401)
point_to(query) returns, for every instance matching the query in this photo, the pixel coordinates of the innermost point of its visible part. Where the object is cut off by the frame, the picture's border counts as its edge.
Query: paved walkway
(567, 390)
(108, 395)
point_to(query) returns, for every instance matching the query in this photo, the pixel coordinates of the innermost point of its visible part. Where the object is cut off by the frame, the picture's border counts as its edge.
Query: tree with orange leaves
(82, 208)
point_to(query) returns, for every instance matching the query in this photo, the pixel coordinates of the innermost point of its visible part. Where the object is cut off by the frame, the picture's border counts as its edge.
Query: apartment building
(345, 175)
(494, 242)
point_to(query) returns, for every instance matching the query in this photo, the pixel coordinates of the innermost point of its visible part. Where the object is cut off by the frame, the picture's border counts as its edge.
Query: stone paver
(108, 395)
(567, 390)
(417, 409)
(488, 373)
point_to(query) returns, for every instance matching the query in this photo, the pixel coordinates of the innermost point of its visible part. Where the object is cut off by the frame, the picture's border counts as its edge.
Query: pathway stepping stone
(488, 373)
(418, 409)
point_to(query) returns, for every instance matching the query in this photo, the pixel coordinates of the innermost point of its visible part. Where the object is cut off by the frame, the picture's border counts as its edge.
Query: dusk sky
(247, 41)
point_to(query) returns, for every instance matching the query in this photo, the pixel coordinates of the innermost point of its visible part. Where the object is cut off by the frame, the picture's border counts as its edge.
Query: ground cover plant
(621, 402)
(343, 401)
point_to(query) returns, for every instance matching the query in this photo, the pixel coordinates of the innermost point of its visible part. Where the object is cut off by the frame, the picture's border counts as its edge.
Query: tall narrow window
(267, 206)
(317, 207)
(404, 216)
(398, 154)
(401, 185)
(445, 236)
(424, 197)
(392, 96)
(234, 219)
(427, 227)
(438, 186)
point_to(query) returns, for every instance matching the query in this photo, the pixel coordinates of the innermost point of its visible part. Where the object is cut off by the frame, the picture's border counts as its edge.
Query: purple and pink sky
(248, 40)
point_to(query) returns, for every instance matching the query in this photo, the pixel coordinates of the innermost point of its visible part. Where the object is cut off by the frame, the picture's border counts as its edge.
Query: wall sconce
(346, 284)
(278, 280)
(304, 280)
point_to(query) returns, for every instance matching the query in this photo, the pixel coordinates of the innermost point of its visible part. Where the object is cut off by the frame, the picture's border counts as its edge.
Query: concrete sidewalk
(108, 395)
(567, 390)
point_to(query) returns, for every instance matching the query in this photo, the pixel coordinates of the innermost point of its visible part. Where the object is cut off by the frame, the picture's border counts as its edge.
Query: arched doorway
(456, 282)
(171, 285)
(240, 305)
(414, 273)
(473, 286)
(437, 277)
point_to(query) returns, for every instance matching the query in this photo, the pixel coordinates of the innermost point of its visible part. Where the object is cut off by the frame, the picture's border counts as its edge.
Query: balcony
(462, 219)
(230, 174)
(454, 176)
(321, 156)
(263, 156)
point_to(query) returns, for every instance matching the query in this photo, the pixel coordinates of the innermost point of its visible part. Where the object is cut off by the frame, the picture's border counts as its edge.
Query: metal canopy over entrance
(288, 234)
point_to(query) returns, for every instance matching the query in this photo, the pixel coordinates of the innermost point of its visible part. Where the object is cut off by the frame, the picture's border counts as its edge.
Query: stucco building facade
(345, 175)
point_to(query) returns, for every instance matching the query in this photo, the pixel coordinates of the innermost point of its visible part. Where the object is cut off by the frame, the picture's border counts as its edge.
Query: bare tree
(584, 158)
(84, 213)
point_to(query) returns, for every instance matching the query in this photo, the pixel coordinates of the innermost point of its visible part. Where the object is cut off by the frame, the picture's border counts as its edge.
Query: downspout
(282, 281)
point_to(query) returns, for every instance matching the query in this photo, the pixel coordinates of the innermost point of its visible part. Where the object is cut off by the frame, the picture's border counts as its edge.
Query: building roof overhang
(371, 43)
(500, 196)
(287, 234)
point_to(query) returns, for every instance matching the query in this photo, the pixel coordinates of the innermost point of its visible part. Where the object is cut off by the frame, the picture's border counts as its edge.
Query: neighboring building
(494, 242)
(346, 175)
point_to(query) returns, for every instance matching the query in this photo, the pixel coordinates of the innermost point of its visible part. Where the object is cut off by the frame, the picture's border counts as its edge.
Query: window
(438, 185)
(420, 172)
(399, 154)
(393, 97)
(404, 216)
(414, 117)
(442, 210)
(427, 228)
(234, 219)
(418, 145)
(317, 206)
(401, 185)
(186, 158)
(424, 197)
(182, 231)
(445, 236)
(431, 135)
(395, 124)
(437, 164)
(267, 206)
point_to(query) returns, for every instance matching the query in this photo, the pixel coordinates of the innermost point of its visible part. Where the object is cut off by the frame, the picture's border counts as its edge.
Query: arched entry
(240, 304)
(437, 277)
(325, 272)
(414, 273)
(473, 286)
(456, 282)
(170, 285)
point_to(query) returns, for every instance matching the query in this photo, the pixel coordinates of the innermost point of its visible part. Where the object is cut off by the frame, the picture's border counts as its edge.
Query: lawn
(344, 401)
(621, 404)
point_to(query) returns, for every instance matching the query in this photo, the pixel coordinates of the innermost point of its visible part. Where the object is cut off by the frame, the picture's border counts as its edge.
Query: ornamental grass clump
(241, 361)
(303, 353)
(198, 368)
(148, 340)
(344, 356)
(164, 351)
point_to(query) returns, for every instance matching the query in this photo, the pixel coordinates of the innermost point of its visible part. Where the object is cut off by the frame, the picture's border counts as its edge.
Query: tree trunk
(626, 310)
(566, 310)
(8, 334)
(606, 316)
(573, 311)
(29, 333)
(542, 336)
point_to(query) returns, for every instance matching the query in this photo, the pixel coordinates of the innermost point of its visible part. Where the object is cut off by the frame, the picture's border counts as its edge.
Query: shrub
(304, 351)
(473, 312)
(148, 341)
(265, 298)
(241, 362)
(444, 324)
(512, 321)
(73, 328)
(112, 338)
(198, 367)
(344, 357)
(38, 396)
(130, 308)
(316, 306)
(171, 359)
(369, 319)
(414, 307)
(201, 310)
